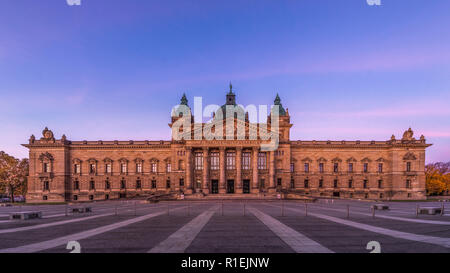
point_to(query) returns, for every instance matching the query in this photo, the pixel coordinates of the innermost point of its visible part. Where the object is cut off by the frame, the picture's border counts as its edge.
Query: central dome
(234, 109)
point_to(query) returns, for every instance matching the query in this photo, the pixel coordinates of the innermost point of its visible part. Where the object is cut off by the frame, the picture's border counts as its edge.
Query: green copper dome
(231, 101)
(277, 101)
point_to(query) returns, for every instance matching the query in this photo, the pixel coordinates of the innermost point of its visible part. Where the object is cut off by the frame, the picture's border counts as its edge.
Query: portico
(223, 169)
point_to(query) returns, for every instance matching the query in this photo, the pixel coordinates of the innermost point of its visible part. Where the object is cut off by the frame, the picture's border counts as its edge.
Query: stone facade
(63, 170)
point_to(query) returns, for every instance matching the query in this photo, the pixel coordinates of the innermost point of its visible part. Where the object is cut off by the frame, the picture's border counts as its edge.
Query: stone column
(239, 170)
(272, 171)
(255, 181)
(205, 170)
(222, 188)
(188, 170)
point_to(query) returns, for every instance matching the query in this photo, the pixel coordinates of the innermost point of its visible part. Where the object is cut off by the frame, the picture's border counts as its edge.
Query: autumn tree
(13, 174)
(437, 178)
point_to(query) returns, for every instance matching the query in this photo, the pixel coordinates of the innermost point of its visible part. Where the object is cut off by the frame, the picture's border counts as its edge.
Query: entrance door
(214, 186)
(230, 186)
(246, 186)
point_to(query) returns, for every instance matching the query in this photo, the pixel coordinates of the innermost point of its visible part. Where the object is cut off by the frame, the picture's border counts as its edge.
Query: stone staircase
(234, 196)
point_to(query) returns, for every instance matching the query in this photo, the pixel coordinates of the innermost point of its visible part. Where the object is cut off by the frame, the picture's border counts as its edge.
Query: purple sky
(114, 69)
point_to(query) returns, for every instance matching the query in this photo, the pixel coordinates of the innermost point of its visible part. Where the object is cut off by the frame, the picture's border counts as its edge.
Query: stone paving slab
(237, 234)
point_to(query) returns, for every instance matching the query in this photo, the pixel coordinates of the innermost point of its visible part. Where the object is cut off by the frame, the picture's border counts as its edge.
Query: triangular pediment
(237, 125)
(409, 156)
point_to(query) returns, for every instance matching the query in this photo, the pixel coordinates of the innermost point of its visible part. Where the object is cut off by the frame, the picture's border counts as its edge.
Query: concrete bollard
(442, 209)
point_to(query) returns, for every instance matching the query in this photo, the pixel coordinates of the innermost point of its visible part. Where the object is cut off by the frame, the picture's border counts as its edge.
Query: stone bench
(380, 207)
(82, 210)
(25, 215)
(429, 210)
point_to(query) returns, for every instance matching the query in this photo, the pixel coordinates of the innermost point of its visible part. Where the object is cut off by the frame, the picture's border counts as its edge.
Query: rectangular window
(153, 184)
(350, 183)
(76, 185)
(46, 186)
(123, 168)
(169, 167)
(262, 161)
(292, 183)
(365, 183)
(292, 167)
(91, 168)
(380, 167)
(139, 167)
(321, 167)
(168, 184)
(107, 185)
(335, 184)
(306, 183)
(279, 181)
(366, 167)
(306, 167)
(138, 184)
(321, 183)
(380, 184)
(408, 184)
(231, 161)
(46, 168)
(350, 167)
(246, 161)
(154, 167)
(199, 161)
(122, 184)
(336, 167)
(77, 168)
(92, 185)
(261, 183)
(214, 161)
(181, 181)
(108, 168)
(408, 166)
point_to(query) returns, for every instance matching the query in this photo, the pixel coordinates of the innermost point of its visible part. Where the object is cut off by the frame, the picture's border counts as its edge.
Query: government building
(200, 167)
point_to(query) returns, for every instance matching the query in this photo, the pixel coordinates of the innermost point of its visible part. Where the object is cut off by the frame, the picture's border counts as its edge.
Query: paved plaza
(227, 227)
